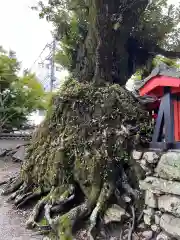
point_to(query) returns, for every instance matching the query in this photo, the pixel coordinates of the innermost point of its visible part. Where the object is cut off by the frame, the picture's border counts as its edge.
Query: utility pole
(52, 74)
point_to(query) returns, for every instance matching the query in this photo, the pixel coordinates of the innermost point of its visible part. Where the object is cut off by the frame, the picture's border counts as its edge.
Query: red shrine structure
(166, 89)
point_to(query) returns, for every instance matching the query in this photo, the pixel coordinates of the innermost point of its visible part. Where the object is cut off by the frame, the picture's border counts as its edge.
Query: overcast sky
(22, 31)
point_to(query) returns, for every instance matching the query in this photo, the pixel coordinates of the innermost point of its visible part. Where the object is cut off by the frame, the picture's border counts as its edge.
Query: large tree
(79, 161)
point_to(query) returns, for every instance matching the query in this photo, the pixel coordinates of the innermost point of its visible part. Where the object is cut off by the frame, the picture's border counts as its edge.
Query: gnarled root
(18, 192)
(63, 225)
(12, 186)
(3, 183)
(106, 192)
(31, 223)
(133, 223)
(26, 197)
(49, 200)
(66, 197)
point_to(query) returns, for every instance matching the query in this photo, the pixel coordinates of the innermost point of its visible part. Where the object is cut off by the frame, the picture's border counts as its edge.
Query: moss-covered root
(52, 199)
(18, 192)
(63, 225)
(67, 196)
(23, 199)
(31, 222)
(12, 186)
(106, 193)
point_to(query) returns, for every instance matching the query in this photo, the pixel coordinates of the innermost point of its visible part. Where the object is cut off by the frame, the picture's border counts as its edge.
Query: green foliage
(158, 26)
(69, 18)
(9, 67)
(19, 96)
(170, 62)
(143, 72)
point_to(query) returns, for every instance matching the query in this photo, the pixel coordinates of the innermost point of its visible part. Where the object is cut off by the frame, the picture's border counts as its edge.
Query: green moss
(81, 136)
(43, 222)
(65, 228)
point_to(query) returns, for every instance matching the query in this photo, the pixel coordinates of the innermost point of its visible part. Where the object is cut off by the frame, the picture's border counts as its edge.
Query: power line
(52, 65)
(47, 45)
(49, 62)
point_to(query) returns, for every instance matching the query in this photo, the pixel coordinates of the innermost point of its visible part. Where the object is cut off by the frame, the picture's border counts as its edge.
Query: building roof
(161, 70)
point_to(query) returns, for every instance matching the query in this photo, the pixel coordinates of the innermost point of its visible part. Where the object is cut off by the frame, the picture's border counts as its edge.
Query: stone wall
(162, 193)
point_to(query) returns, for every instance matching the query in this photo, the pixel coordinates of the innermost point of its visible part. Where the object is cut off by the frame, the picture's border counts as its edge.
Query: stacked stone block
(162, 193)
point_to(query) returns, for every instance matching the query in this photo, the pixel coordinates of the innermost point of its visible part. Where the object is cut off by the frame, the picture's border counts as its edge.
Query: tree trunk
(104, 54)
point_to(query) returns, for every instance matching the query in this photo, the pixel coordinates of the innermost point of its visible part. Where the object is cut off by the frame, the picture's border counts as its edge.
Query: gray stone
(150, 199)
(169, 203)
(142, 226)
(169, 166)
(148, 219)
(115, 214)
(155, 228)
(157, 185)
(145, 166)
(149, 211)
(137, 155)
(143, 163)
(163, 236)
(147, 235)
(126, 198)
(157, 219)
(20, 154)
(149, 173)
(151, 157)
(171, 225)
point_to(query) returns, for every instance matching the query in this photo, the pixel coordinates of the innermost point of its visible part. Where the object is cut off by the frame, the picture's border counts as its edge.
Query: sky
(22, 31)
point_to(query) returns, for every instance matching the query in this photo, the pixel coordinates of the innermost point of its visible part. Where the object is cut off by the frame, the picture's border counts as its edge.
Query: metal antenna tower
(52, 74)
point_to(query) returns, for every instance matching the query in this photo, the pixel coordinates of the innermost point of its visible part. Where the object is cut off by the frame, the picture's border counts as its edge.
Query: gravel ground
(12, 221)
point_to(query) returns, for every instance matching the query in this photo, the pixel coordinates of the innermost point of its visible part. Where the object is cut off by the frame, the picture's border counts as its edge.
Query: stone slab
(150, 199)
(169, 166)
(171, 225)
(20, 154)
(158, 185)
(115, 214)
(151, 157)
(170, 204)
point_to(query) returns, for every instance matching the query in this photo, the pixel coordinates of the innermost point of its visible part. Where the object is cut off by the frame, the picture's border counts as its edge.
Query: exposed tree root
(64, 224)
(106, 193)
(27, 197)
(11, 187)
(84, 143)
(58, 207)
(3, 183)
(31, 223)
(127, 187)
(133, 223)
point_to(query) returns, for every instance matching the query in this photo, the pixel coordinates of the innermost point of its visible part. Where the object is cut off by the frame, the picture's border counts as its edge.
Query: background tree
(19, 96)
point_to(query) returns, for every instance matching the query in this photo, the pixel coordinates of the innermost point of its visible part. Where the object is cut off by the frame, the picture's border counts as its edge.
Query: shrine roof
(161, 70)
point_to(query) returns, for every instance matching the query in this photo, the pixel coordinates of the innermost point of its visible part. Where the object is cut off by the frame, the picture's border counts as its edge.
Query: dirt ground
(12, 221)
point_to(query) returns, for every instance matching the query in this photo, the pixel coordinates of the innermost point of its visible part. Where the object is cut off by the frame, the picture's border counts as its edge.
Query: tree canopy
(19, 96)
(138, 31)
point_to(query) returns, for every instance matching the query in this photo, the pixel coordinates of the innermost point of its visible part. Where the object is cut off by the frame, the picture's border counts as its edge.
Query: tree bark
(103, 56)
